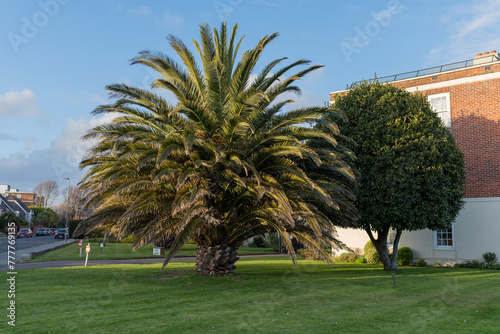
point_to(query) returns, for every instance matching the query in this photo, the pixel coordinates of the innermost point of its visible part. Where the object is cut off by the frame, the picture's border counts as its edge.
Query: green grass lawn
(264, 296)
(124, 251)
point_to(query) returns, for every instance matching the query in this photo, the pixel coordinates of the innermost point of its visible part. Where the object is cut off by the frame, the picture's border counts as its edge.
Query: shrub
(129, 239)
(421, 263)
(358, 251)
(72, 224)
(164, 241)
(491, 265)
(437, 265)
(309, 254)
(469, 264)
(360, 260)
(405, 256)
(347, 257)
(273, 241)
(490, 257)
(99, 239)
(258, 242)
(371, 254)
(474, 264)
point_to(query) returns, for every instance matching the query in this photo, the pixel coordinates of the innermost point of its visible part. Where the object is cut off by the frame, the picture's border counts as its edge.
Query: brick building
(28, 198)
(466, 95)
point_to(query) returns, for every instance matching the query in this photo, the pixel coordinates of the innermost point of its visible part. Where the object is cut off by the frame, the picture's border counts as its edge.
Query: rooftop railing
(435, 69)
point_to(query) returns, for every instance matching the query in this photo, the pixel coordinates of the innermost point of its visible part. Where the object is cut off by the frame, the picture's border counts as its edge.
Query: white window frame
(453, 240)
(391, 236)
(446, 113)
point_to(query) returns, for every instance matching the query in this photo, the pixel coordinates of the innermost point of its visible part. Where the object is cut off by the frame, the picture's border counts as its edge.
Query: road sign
(87, 250)
(80, 244)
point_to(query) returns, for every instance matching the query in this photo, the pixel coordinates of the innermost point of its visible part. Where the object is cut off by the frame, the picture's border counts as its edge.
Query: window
(391, 236)
(440, 103)
(444, 238)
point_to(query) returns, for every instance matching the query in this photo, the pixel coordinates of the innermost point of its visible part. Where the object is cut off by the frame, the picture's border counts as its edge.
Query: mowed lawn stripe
(124, 251)
(264, 296)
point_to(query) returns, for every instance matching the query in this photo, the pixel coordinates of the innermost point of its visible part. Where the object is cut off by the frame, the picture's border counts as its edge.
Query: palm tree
(224, 164)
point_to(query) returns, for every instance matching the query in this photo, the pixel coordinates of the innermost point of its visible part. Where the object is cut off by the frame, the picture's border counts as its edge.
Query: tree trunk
(383, 251)
(395, 245)
(216, 260)
(381, 245)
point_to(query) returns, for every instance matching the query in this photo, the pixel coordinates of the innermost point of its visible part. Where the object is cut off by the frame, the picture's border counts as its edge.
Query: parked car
(25, 233)
(42, 232)
(60, 233)
(52, 230)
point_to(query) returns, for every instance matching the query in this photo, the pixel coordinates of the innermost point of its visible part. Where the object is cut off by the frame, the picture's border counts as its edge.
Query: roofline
(6, 202)
(20, 204)
(421, 77)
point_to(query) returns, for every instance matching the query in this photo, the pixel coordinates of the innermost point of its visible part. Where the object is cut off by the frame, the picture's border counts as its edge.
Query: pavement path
(75, 263)
(18, 254)
(72, 263)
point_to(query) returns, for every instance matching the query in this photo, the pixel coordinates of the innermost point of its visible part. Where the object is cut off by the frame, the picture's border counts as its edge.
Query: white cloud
(170, 20)
(140, 12)
(21, 104)
(165, 20)
(305, 99)
(98, 99)
(479, 17)
(61, 159)
(70, 141)
(118, 8)
(472, 29)
(265, 3)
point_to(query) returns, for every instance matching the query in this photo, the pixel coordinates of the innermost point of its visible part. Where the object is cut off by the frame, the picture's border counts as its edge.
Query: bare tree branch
(46, 193)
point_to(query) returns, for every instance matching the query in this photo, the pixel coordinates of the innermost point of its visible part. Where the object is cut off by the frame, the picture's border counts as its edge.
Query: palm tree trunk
(216, 260)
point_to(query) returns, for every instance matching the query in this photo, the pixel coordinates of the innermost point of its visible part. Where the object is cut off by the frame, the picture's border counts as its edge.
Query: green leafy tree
(224, 164)
(72, 225)
(7, 217)
(412, 172)
(44, 216)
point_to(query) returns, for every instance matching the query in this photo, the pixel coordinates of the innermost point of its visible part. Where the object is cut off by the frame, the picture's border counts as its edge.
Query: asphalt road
(24, 243)
(22, 246)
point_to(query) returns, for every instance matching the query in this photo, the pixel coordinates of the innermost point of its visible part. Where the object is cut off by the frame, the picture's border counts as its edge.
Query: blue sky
(56, 57)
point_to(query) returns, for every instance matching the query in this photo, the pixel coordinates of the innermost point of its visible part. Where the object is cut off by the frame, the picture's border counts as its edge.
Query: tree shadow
(478, 137)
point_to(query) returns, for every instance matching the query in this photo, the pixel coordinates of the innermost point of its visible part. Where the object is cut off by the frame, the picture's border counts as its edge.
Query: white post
(87, 250)
(67, 204)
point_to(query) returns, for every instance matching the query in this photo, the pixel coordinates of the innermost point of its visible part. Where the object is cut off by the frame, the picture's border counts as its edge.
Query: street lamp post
(67, 205)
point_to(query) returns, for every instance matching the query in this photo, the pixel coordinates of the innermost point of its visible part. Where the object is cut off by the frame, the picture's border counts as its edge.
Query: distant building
(5, 206)
(28, 198)
(466, 96)
(20, 208)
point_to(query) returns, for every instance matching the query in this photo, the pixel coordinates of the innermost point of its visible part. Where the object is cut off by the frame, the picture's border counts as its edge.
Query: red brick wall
(458, 74)
(27, 198)
(475, 124)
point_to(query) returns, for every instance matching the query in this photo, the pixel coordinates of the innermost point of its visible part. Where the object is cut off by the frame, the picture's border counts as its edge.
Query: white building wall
(476, 231)
(478, 228)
